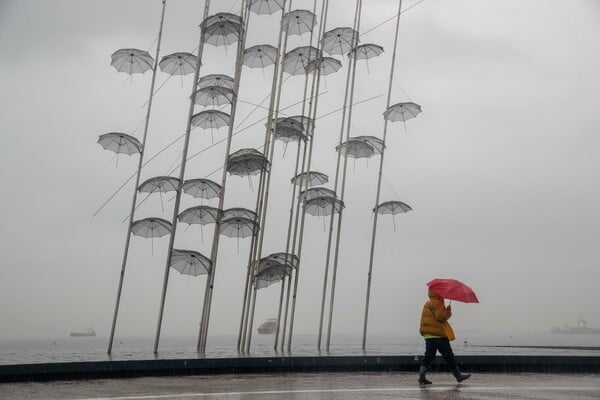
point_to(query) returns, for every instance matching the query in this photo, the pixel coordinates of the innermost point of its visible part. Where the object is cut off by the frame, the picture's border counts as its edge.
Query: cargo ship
(581, 328)
(89, 332)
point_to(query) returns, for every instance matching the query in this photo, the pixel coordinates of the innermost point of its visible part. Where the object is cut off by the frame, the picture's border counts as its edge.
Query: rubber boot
(460, 377)
(422, 379)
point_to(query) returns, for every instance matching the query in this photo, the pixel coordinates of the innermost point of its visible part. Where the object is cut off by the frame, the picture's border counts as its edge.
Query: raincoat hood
(434, 295)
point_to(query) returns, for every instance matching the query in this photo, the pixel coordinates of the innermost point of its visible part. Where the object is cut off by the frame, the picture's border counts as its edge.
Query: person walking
(438, 333)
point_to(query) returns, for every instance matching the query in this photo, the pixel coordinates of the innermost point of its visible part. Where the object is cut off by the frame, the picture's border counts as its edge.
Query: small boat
(269, 327)
(89, 332)
(581, 328)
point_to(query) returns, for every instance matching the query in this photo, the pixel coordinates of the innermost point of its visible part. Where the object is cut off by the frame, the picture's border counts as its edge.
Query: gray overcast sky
(501, 168)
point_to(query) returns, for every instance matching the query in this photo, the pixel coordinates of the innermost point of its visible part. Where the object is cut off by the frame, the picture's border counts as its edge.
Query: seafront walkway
(312, 386)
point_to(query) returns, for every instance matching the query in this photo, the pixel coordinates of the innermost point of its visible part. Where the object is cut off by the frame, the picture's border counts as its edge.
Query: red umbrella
(452, 289)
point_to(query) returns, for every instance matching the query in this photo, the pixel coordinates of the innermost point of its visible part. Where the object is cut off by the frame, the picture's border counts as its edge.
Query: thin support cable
(112, 196)
(392, 17)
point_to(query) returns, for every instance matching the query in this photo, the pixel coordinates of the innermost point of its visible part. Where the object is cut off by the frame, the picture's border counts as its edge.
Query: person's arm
(442, 313)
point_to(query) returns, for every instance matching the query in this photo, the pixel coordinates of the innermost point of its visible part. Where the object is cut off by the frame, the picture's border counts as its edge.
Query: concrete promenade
(239, 365)
(315, 386)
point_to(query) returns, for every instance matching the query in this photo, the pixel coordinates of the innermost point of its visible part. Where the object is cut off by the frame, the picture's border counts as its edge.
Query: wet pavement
(321, 386)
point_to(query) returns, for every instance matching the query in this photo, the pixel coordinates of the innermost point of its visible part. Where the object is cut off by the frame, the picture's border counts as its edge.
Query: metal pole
(275, 89)
(247, 285)
(181, 177)
(137, 180)
(339, 225)
(244, 13)
(335, 185)
(312, 111)
(271, 127)
(385, 129)
(293, 199)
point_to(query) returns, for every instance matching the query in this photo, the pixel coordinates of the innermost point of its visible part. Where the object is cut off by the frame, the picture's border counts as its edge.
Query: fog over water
(502, 168)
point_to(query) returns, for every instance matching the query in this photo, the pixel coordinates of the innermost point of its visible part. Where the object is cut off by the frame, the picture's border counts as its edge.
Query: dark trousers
(443, 346)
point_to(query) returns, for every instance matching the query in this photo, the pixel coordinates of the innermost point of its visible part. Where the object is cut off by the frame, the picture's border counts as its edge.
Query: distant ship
(87, 333)
(582, 328)
(269, 327)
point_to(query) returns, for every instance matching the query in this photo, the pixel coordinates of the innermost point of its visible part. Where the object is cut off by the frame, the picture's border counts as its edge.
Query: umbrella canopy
(314, 178)
(260, 56)
(238, 212)
(273, 268)
(296, 61)
(286, 259)
(356, 149)
(238, 227)
(247, 162)
(377, 143)
(202, 188)
(316, 192)
(162, 184)
(339, 40)
(222, 33)
(178, 63)
(202, 215)
(269, 275)
(266, 7)
(393, 208)
(299, 22)
(245, 152)
(151, 227)
(287, 134)
(298, 122)
(213, 96)
(366, 51)
(220, 17)
(132, 61)
(211, 119)
(327, 65)
(120, 143)
(452, 289)
(308, 124)
(189, 262)
(324, 205)
(402, 111)
(216, 80)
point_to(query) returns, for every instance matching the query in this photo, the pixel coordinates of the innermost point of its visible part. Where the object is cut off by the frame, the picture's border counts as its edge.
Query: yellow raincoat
(434, 318)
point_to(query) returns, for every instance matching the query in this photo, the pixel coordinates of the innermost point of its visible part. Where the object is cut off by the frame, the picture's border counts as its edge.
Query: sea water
(68, 349)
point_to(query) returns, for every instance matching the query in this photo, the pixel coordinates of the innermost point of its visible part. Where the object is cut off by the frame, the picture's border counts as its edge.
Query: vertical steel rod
(271, 127)
(385, 130)
(181, 177)
(335, 188)
(313, 106)
(244, 14)
(341, 214)
(137, 180)
(304, 147)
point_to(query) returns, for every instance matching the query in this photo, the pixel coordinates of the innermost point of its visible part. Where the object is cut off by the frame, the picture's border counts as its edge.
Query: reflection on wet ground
(329, 386)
